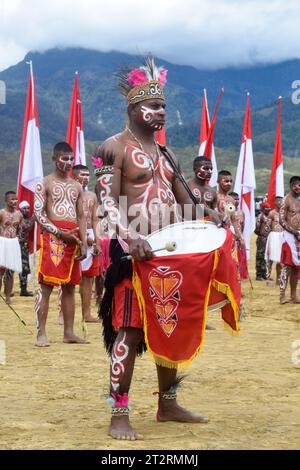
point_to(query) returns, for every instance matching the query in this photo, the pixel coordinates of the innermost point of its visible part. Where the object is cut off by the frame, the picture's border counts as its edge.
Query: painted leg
(284, 276)
(60, 319)
(294, 282)
(122, 364)
(41, 313)
(168, 408)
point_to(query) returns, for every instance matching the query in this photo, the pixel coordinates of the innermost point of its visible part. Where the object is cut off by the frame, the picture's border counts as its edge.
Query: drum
(191, 237)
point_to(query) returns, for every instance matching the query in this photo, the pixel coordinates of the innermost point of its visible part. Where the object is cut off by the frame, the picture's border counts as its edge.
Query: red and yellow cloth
(174, 293)
(57, 258)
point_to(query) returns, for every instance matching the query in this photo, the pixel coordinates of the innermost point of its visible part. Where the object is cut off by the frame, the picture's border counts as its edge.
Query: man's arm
(258, 225)
(81, 219)
(40, 201)
(109, 184)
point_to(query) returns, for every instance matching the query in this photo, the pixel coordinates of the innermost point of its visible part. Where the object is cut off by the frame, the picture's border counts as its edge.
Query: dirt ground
(53, 398)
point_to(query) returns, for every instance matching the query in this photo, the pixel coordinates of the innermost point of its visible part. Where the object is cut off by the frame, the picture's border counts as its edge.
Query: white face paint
(65, 162)
(150, 115)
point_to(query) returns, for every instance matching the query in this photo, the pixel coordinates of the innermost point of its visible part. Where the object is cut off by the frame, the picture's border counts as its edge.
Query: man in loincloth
(274, 241)
(26, 227)
(262, 230)
(239, 221)
(90, 265)
(10, 224)
(132, 166)
(58, 207)
(289, 218)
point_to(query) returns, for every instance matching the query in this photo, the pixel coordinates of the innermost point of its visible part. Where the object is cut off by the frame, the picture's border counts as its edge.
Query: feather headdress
(142, 83)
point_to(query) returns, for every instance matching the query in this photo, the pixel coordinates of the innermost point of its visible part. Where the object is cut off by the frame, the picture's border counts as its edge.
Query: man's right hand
(140, 250)
(70, 238)
(217, 218)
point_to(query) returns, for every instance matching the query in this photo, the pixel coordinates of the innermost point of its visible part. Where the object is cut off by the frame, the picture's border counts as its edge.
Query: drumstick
(169, 246)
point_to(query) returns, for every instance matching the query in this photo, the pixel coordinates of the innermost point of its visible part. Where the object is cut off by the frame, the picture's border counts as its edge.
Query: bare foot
(90, 319)
(71, 339)
(283, 300)
(295, 300)
(8, 300)
(174, 412)
(120, 428)
(42, 341)
(60, 319)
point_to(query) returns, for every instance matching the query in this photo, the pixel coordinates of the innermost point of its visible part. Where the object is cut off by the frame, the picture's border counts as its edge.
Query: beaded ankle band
(120, 411)
(168, 396)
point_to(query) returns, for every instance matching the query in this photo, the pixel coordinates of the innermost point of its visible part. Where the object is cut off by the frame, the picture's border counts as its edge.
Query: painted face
(296, 187)
(203, 172)
(152, 113)
(64, 161)
(236, 201)
(83, 177)
(226, 183)
(267, 210)
(12, 201)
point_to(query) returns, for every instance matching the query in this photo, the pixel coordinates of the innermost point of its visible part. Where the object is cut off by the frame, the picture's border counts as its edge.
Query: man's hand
(140, 249)
(216, 218)
(90, 241)
(96, 248)
(81, 252)
(241, 243)
(70, 237)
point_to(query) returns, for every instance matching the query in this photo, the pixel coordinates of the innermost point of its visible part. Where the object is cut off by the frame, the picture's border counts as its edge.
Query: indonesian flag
(276, 185)
(30, 166)
(245, 179)
(75, 134)
(160, 137)
(204, 133)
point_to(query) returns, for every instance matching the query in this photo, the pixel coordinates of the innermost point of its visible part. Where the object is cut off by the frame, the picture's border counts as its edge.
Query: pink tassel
(120, 400)
(136, 77)
(163, 77)
(97, 162)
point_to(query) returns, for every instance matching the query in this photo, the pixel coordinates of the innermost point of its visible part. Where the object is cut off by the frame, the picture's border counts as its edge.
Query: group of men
(130, 165)
(278, 241)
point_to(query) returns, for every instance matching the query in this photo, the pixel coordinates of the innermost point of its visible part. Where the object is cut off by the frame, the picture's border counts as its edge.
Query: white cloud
(204, 33)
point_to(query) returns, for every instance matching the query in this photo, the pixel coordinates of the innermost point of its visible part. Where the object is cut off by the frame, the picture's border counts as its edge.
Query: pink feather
(136, 77)
(163, 77)
(97, 162)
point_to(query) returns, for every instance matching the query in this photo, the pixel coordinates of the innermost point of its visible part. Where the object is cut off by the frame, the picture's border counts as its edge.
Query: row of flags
(31, 169)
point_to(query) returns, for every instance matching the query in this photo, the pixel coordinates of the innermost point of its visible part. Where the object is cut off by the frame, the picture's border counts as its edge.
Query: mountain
(104, 107)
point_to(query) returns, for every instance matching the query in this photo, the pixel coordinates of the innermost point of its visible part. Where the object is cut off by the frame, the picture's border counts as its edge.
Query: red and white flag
(75, 134)
(204, 134)
(245, 179)
(276, 185)
(30, 166)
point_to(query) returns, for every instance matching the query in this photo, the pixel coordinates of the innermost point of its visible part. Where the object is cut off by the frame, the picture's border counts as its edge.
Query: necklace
(147, 155)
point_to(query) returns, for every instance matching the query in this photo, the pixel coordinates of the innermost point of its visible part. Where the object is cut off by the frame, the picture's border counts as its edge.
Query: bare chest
(63, 199)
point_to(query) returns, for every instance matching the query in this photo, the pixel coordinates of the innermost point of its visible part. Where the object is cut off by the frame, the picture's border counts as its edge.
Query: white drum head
(190, 237)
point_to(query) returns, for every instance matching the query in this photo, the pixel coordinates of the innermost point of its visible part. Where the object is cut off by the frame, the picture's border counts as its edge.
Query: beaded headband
(143, 83)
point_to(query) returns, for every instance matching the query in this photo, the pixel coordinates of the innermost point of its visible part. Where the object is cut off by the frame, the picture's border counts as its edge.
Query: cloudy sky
(203, 33)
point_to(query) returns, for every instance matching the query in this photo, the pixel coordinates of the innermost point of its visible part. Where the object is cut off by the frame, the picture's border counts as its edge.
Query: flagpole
(244, 161)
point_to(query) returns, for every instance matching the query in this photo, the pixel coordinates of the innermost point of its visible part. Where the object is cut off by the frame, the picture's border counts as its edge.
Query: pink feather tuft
(163, 77)
(136, 77)
(97, 162)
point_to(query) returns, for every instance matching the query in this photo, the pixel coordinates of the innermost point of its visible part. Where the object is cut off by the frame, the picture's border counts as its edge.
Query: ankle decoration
(171, 394)
(119, 404)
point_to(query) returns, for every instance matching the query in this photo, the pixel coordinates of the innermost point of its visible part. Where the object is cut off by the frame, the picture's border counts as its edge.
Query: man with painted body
(133, 166)
(289, 218)
(274, 241)
(58, 208)
(90, 265)
(204, 193)
(10, 224)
